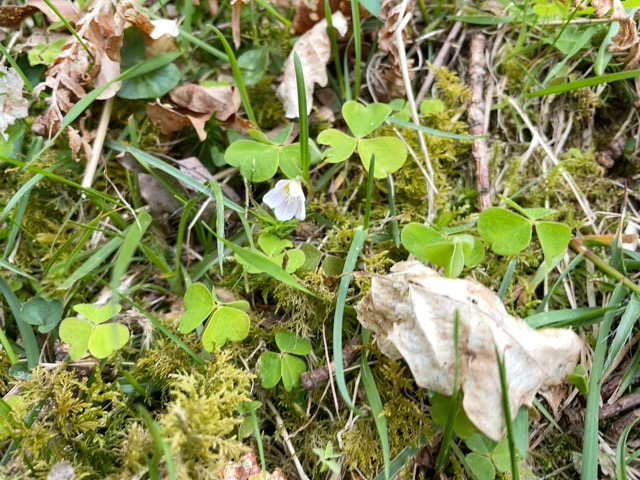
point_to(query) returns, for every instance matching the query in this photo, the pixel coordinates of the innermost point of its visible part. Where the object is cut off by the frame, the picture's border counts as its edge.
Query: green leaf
(579, 379)
(107, 338)
(45, 53)
(290, 160)
(554, 238)
(289, 342)
(154, 84)
(481, 466)
(472, 248)
(390, 154)
(291, 260)
(198, 305)
(501, 456)
(271, 245)
(98, 314)
(363, 120)
(431, 105)
(45, 314)
(269, 369)
(480, 443)
(292, 368)
(226, 323)
(242, 305)
(76, 333)
(537, 213)
(253, 65)
(341, 145)
(415, 236)
(257, 162)
(312, 257)
(507, 233)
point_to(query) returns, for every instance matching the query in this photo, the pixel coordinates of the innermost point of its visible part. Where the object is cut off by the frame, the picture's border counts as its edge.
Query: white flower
(12, 105)
(286, 199)
(164, 27)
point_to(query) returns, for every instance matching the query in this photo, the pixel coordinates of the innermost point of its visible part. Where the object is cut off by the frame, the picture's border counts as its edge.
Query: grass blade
(26, 331)
(590, 439)
(129, 246)
(359, 237)
(303, 119)
(507, 416)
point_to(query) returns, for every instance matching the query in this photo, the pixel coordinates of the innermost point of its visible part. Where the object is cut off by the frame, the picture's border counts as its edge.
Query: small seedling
(452, 252)
(285, 365)
(509, 233)
(226, 321)
(278, 251)
(327, 458)
(260, 158)
(45, 314)
(390, 153)
(579, 379)
(92, 333)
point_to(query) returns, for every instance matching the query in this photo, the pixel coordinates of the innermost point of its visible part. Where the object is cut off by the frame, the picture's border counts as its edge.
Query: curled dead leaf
(314, 50)
(224, 101)
(412, 311)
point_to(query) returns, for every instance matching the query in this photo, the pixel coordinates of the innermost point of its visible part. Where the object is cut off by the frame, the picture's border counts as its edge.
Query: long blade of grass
(569, 317)
(359, 237)
(303, 119)
(27, 336)
(96, 259)
(334, 48)
(433, 131)
(506, 280)
(375, 403)
(129, 246)
(590, 439)
(237, 75)
(367, 205)
(513, 454)
(585, 83)
(268, 267)
(621, 461)
(160, 444)
(357, 48)
(217, 192)
(454, 406)
(624, 329)
(395, 231)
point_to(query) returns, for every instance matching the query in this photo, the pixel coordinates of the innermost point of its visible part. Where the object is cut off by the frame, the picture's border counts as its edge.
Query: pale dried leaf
(412, 312)
(62, 471)
(224, 101)
(314, 51)
(247, 468)
(168, 120)
(12, 105)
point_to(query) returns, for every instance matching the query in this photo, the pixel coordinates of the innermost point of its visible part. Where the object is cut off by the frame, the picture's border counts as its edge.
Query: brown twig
(625, 403)
(475, 113)
(314, 378)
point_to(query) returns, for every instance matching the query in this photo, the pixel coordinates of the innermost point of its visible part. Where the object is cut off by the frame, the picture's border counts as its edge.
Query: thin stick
(98, 143)
(439, 60)
(475, 115)
(286, 439)
(402, 57)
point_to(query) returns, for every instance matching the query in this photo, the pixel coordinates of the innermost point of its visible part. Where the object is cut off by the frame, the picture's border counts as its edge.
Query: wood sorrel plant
(390, 153)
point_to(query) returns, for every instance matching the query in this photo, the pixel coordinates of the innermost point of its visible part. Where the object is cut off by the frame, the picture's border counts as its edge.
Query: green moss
(271, 112)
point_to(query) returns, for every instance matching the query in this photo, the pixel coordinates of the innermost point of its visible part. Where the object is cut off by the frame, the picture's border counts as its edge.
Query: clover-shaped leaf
(45, 314)
(272, 249)
(285, 365)
(76, 333)
(341, 145)
(364, 120)
(198, 305)
(98, 314)
(554, 238)
(107, 338)
(258, 162)
(226, 323)
(272, 245)
(292, 368)
(452, 253)
(270, 369)
(93, 334)
(507, 232)
(390, 154)
(289, 342)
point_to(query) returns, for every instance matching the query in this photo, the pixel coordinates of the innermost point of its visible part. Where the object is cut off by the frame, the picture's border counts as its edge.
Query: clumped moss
(271, 112)
(76, 418)
(201, 419)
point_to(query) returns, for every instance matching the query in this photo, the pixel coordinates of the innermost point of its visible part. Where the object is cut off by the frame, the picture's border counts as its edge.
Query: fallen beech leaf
(224, 101)
(412, 311)
(314, 50)
(168, 119)
(12, 105)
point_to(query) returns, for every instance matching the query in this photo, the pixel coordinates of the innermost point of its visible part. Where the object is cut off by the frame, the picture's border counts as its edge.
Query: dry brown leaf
(11, 16)
(314, 51)
(223, 101)
(12, 105)
(412, 312)
(168, 120)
